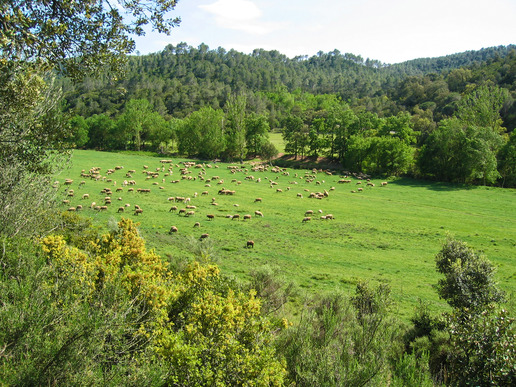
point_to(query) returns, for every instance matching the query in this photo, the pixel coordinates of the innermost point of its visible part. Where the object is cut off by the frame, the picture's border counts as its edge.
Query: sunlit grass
(383, 234)
(277, 139)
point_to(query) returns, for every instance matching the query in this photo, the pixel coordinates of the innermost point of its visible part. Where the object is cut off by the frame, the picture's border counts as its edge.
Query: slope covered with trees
(369, 117)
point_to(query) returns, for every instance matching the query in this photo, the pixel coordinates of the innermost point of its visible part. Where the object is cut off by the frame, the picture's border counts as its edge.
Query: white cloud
(241, 15)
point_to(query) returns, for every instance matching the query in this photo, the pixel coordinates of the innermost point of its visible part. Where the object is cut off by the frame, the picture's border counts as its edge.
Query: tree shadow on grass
(433, 185)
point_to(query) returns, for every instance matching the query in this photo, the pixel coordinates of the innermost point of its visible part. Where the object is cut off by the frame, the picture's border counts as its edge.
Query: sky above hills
(391, 31)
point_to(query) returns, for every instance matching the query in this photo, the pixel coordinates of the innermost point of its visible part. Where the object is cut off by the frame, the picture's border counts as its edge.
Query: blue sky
(391, 31)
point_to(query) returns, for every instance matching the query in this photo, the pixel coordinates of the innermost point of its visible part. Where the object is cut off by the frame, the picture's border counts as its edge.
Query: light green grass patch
(383, 234)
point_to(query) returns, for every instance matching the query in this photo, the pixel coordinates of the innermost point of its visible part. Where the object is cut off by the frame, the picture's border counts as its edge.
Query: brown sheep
(173, 208)
(210, 216)
(236, 216)
(384, 183)
(309, 212)
(197, 224)
(182, 211)
(121, 209)
(307, 219)
(247, 217)
(138, 211)
(173, 229)
(204, 236)
(250, 244)
(85, 196)
(258, 213)
(257, 200)
(190, 213)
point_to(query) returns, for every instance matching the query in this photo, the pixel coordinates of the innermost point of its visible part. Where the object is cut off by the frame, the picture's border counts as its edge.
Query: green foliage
(507, 161)
(105, 310)
(483, 348)
(469, 277)
(216, 335)
(77, 37)
(339, 342)
(462, 153)
(202, 134)
(79, 131)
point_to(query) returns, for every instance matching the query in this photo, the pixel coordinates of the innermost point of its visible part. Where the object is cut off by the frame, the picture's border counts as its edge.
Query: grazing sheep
(138, 211)
(204, 236)
(360, 189)
(204, 193)
(300, 195)
(172, 229)
(249, 244)
(329, 216)
(71, 209)
(66, 201)
(307, 219)
(384, 183)
(258, 213)
(86, 196)
(309, 212)
(190, 213)
(257, 200)
(236, 216)
(136, 207)
(229, 216)
(247, 216)
(197, 224)
(182, 211)
(104, 208)
(121, 209)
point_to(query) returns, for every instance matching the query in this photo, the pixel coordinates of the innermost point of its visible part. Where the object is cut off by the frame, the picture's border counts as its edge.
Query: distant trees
(464, 148)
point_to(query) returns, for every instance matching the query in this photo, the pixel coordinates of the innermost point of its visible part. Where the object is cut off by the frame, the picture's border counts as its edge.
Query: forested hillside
(447, 118)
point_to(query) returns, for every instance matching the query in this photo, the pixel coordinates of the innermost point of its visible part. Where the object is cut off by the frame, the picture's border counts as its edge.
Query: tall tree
(235, 131)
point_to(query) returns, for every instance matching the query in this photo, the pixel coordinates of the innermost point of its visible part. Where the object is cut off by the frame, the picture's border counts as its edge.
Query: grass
(277, 139)
(384, 234)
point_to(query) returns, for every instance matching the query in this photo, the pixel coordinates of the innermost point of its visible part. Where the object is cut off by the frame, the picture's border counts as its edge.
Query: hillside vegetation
(262, 276)
(447, 119)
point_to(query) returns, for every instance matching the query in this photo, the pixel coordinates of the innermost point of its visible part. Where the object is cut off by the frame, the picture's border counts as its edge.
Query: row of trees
(472, 146)
(207, 133)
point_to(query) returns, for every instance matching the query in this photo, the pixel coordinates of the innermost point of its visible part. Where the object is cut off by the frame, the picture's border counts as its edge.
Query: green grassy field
(382, 234)
(277, 139)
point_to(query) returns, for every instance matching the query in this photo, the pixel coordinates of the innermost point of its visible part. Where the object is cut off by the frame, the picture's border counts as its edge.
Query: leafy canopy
(77, 37)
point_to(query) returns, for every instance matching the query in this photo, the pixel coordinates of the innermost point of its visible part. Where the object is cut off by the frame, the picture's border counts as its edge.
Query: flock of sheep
(116, 182)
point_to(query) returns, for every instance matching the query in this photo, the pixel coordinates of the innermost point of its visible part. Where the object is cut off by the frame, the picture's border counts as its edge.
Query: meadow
(387, 233)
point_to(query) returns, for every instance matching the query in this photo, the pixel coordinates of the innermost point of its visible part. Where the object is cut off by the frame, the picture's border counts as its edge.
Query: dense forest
(448, 118)
(80, 305)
